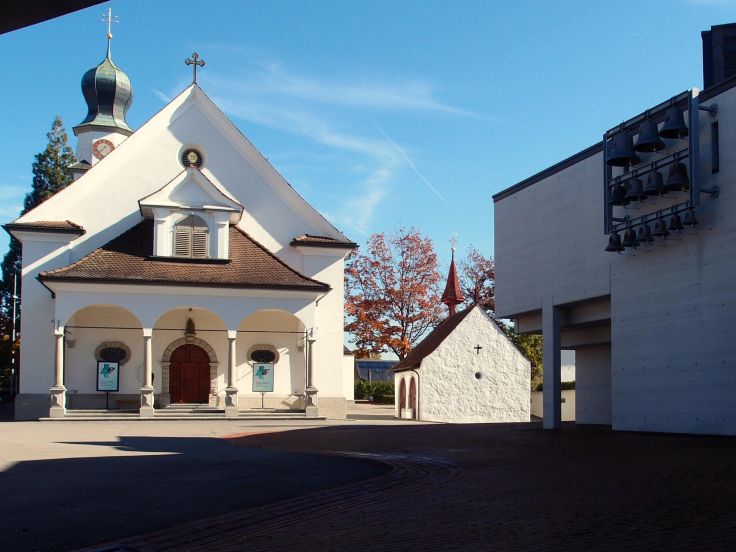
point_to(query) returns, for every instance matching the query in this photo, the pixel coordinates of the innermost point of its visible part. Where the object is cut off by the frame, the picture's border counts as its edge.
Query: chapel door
(413, 397)
(402, 397)
(189, 375)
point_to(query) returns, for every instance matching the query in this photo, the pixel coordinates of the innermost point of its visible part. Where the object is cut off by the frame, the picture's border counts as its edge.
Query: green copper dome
(108, 94)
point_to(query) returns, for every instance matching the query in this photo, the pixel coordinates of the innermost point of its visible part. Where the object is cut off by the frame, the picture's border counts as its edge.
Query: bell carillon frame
(628, 206)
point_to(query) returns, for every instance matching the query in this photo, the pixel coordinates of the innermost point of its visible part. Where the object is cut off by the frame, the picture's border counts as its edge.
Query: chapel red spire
(453, 295)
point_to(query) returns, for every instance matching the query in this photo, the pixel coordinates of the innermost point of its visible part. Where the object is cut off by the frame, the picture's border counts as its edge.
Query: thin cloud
(161, 96)
(411, 164)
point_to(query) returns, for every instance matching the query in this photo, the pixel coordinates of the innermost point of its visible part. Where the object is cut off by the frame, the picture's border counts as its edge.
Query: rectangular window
(715, 154)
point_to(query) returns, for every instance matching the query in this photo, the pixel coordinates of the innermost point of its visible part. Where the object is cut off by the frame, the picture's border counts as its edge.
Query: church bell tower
(108, 94)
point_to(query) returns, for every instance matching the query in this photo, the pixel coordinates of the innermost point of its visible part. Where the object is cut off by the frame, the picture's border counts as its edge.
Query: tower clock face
(102, 148)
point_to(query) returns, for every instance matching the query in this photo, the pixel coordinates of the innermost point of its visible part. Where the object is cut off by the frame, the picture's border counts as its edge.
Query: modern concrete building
(651, 318)
(177, 262)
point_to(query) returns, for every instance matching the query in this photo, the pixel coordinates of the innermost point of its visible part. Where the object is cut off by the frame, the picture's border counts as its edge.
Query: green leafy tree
(50, 174)
(531, 346)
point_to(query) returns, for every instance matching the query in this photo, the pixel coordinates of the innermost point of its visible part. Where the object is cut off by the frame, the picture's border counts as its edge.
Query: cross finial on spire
(195, 61)
(109, 19)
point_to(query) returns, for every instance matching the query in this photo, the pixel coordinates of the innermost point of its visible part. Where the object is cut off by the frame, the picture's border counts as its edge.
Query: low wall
(568, 404)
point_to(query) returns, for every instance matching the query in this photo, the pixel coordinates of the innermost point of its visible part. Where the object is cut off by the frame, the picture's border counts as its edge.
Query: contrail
(411, 164)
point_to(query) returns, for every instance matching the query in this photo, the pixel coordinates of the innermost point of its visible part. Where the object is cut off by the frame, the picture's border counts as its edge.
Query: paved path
(490, 487)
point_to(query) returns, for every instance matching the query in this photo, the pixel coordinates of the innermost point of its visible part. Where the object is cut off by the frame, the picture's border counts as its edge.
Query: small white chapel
(466, 370)
(178, 260)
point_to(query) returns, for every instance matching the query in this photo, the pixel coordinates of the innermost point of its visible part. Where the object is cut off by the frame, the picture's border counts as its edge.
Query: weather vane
(196, 62)
(109, 19)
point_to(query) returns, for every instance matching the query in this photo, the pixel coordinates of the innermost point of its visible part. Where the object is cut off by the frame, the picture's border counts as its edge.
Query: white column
(146, 410)
(58, 391)
(311, 409)
(552, 365)
(231, 391)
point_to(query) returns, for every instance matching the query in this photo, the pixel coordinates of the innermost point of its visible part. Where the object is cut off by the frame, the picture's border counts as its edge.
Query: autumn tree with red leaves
(391, 293)
(477, 280)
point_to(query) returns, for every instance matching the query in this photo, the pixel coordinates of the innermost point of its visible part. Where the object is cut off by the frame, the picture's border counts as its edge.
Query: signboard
(263, 378)
(108, 376)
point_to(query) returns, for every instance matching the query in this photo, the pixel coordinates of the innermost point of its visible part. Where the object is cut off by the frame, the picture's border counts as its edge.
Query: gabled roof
(59, 226)
(308, 240)
(191, 189)
(128, 259)
(428, 345)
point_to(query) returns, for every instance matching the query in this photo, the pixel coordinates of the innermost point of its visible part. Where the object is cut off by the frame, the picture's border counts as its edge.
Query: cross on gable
(195, 61)
(477, 349)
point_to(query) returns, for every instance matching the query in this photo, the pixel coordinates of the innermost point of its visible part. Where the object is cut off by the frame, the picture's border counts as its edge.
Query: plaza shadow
(64, 504)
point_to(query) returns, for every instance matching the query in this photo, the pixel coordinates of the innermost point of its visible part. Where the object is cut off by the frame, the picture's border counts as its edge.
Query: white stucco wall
(141, 165)
(449, 390)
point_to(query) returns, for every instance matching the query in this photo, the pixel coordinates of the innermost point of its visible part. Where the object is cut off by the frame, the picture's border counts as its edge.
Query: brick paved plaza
(489, 487)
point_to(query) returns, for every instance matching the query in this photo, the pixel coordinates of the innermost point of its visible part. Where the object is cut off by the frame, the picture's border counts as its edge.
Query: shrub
(380, 392)
(564, 386)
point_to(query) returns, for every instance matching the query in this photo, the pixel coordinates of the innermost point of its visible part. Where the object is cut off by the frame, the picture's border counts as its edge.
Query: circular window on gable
(263, 354)
(191, 158)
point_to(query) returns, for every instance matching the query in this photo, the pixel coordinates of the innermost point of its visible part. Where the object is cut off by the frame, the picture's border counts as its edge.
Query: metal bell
(689, 219)
(655, 184)
(649, 139)
(634, 190)
(660, 229)
(676, 223)
(674, 124)
(614, 243)
(630, 238)
(644, 234)
(622, 153)
(618, 196)
(677, 181)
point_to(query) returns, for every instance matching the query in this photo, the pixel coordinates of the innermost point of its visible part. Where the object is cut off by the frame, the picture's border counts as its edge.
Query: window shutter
(191, 238)
(199, 243)
(182, 241)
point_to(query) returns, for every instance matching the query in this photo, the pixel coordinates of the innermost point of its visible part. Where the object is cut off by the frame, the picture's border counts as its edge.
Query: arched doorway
(402, 397)
(413, 397)
(189, 375)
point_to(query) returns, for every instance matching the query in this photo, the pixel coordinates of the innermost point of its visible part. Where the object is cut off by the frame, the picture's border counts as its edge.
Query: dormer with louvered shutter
(192, 215)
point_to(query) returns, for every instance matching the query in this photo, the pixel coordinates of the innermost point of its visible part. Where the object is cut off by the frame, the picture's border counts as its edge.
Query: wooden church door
(189, 375)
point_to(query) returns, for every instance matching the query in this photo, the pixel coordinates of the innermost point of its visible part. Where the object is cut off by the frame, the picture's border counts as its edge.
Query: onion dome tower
(453, 295)
(108, 94)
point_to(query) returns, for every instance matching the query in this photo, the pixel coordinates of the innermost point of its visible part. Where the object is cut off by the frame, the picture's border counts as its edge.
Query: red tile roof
(61, 226)
(453, 295)
(428, 345)
(322, 241)
(128, 259)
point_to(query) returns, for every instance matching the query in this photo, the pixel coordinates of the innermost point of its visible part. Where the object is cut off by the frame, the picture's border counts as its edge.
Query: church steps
(180, 412)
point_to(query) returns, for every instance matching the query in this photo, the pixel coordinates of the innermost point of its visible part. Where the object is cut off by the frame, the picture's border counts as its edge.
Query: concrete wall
(568, 404)
(673, 357)
(450, 389)
(593, 385)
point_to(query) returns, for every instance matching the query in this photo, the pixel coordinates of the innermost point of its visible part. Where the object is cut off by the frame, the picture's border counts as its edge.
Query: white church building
(182, 259)
(466, 370)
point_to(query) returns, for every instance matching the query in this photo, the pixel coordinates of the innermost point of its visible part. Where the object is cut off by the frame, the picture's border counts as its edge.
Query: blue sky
(380, 113)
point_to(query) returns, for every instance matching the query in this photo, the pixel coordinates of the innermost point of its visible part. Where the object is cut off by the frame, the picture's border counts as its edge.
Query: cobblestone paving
(490, 487)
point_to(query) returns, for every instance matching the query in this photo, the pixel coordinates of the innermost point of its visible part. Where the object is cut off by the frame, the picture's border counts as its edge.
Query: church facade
(180, 258)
